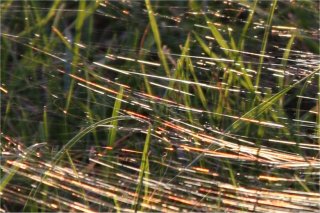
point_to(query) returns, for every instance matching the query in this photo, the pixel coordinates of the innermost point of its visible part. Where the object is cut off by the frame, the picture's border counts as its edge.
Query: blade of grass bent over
(6, 179)
(71, 143)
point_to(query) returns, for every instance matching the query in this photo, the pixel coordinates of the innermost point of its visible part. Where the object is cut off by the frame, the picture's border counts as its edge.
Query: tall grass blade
(144, 171)
(157, 38)
(115, 113)
(265, 41)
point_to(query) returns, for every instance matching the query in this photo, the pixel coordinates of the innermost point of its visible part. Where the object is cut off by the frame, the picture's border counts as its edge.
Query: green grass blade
(43, 21)
(75, 56)
(74, 169)
(241, 41)
(115, 112)
(144, 170)
(286, 56)
(62, 38)
(265, 42)
(157, 38)
(256, 111)
(217, 35)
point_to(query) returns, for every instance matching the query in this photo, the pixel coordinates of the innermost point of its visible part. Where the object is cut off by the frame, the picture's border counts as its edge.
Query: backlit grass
(160, 106)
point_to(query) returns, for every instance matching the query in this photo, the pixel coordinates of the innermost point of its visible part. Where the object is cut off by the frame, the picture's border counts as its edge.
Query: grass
(144, 171)
(156, 106)
(265, 41)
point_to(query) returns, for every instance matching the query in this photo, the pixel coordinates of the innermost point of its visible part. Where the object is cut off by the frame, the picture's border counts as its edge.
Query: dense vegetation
(171, 106)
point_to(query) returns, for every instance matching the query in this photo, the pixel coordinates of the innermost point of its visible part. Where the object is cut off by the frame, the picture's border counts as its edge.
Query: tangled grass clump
(169, 106)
